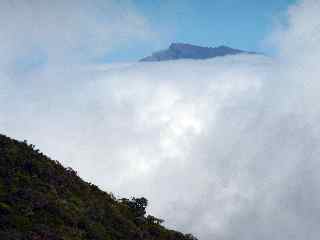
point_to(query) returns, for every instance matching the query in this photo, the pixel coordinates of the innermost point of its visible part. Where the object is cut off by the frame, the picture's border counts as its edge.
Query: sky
(239, 24)
(226, 148)
(235, 23)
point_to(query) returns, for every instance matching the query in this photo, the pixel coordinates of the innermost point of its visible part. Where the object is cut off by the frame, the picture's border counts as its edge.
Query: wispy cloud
(67, 31)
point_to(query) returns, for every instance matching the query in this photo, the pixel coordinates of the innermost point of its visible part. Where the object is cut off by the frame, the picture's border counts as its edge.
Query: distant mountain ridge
(188, 51)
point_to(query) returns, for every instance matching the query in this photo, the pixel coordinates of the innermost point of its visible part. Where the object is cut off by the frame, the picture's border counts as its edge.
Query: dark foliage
(42, 200)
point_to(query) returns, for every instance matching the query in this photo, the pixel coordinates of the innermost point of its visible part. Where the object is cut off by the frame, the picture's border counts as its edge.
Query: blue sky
(127, 30)
(241, 24)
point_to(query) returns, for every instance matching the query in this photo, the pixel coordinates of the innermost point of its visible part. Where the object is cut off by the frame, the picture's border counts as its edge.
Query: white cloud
(66, 31)
(225, 148)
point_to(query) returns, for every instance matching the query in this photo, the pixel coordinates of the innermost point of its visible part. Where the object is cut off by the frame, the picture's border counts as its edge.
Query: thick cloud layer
(225, 148)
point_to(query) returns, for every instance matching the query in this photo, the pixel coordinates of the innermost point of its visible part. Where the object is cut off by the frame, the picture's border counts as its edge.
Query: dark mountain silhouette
(42, 200)
(187, 51)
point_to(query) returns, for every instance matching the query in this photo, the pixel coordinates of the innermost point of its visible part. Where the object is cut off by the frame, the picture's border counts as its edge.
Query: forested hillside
(40, 199)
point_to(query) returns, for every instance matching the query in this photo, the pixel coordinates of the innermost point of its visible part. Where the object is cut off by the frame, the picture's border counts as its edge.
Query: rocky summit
(188, 51)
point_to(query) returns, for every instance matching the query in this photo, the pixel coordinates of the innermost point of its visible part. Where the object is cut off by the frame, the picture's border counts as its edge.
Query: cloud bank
(225, 148)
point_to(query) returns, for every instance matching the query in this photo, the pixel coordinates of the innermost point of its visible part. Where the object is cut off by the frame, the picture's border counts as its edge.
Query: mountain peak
(177, 45)
(188, 51)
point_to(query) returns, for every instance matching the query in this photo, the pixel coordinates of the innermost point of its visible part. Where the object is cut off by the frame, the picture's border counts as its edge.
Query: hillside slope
(40, 200)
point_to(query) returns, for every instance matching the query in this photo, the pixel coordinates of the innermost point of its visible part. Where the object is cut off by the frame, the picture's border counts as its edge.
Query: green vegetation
(42, 200)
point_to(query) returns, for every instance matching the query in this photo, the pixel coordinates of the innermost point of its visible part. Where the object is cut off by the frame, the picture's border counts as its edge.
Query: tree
(136, 205)
(139, 205)
(190, 237)
(154, 220)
